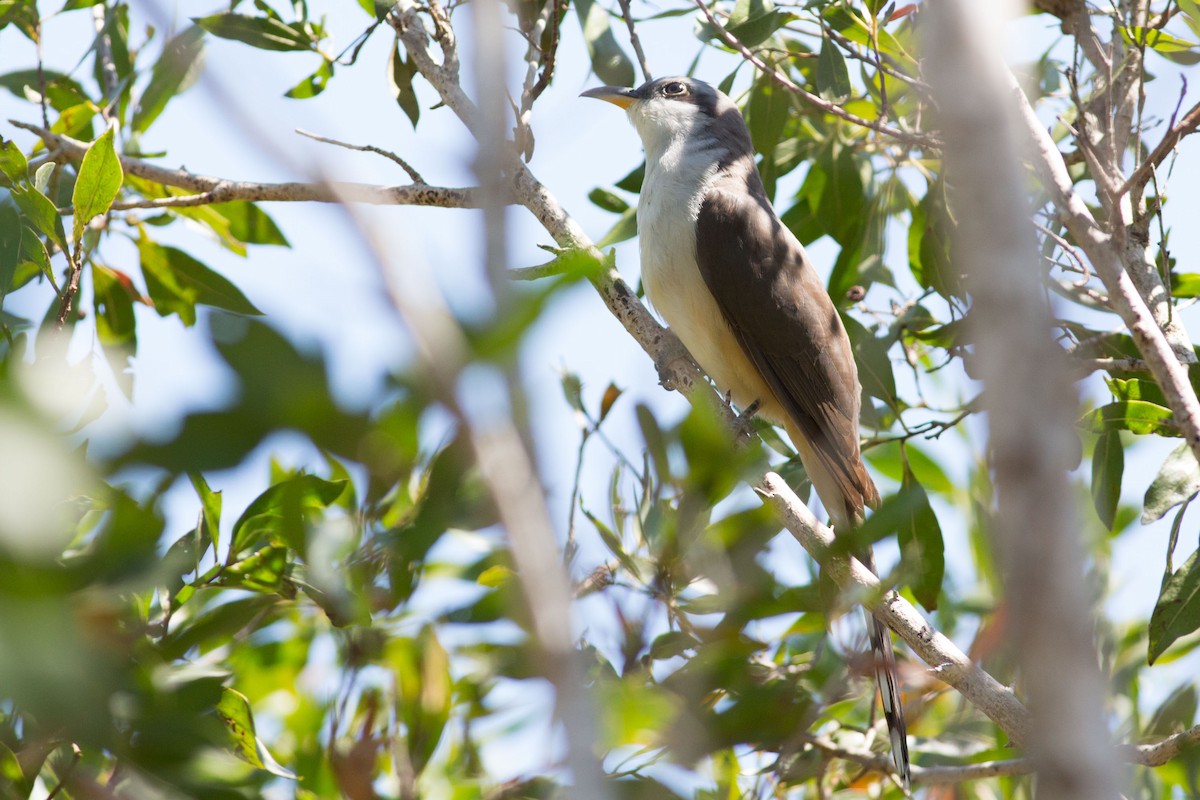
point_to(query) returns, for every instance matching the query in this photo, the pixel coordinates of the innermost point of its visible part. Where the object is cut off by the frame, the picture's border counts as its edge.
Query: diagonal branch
(678, 371)
(1101, 250)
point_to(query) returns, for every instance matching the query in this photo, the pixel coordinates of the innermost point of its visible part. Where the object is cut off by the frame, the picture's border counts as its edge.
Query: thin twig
(369, 148)
(634, 40)
(1141, 175)
(912, 139)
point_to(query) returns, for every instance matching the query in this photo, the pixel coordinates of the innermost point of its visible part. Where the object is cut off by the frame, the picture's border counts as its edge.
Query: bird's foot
(744, 430)
(673, 361)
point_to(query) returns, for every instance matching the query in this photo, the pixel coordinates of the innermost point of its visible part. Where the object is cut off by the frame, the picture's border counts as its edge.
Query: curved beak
(617, 95)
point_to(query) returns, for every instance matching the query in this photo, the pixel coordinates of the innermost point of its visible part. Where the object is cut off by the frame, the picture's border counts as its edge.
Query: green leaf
(10, 246)
(423, 691)
(753, 21)
(250, 224)
(624, 228)
(376, 8)
(401, 72)
(922, 548)
(607, 200)
(12, 161)
(1191, 14)
(929, 245)
(1157, 40)
(234, 711)
(1177, 480)
(41, 212)
(613, 543)
(1108, 465)
(874, 365)
(1177, 612)
(99, 180)
(833, 79)
(671, 644)
(609, 61)
(176, 69)
(280, 511)
(114, 296)
(210, 508)
(1137, 416)
(314, 84)
(1175, 714)
(177, 282)
(264, 33)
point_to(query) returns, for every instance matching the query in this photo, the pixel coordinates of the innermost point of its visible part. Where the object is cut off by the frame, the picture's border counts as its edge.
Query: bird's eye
(674, 89)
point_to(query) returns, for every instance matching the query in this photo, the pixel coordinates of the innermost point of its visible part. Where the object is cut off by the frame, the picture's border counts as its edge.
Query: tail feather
(889, 695)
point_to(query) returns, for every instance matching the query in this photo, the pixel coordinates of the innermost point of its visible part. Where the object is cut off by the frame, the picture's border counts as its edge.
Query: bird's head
(667, 109)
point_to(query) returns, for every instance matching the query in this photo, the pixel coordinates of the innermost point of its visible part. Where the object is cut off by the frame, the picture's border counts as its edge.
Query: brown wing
(781, 314)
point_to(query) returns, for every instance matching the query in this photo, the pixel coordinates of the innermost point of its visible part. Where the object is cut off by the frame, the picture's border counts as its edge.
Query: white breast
(672, 192)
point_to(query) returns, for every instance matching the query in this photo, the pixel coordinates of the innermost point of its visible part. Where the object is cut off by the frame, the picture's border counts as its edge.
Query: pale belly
(678, 292)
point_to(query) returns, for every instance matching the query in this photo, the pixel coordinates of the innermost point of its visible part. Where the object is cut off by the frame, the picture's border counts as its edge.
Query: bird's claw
(669, 355)
(744, 422)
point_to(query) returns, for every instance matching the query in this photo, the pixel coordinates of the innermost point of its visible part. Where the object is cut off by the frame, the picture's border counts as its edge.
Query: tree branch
(679, 372)
(951, 665)
(1101, 250)
(219, 190)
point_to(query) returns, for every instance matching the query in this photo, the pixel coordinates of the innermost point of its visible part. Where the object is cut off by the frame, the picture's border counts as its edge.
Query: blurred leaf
(250, 224)
(874, 364)
(217, 625)
(421, 670)
(609, 62)
(264, 33)
(633, 181)
(671, 644)
(177, 69)
(210, 508)
(1108, 465)
(116, 326)
(10, 245)
(41, 212)
(624, 228)
(401, 72)
(314, 84)
(1155, 39)
(929, 238)
(753, 21)
(1177, 480)
(922, 549)
(1177, 612)
(1137, 416)
(177, 282)
(1175, 714)
(281, 510)
(611, 393)
(234, 711)
(608, 200)
(12, 161)
(833, 79)
(1191, 14)
(613, 543)
(99, 181)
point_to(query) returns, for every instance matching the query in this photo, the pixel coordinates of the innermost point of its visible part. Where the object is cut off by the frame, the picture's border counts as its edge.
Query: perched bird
(735, 285)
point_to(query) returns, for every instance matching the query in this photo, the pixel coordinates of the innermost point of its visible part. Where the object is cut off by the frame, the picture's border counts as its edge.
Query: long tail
(889, 695)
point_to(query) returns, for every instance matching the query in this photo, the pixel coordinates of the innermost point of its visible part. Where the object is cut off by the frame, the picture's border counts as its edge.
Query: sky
(324, 291)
